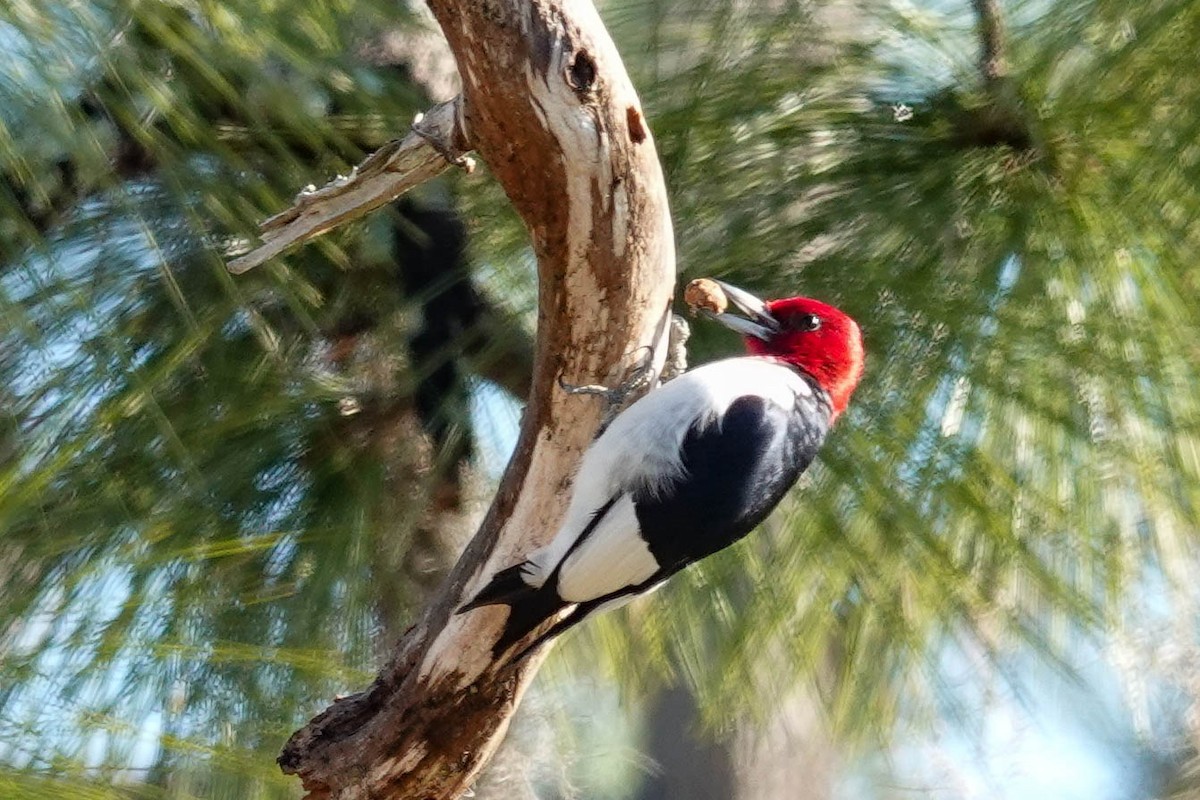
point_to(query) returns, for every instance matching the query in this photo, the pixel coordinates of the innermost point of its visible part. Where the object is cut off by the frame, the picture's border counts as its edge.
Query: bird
(688, 469)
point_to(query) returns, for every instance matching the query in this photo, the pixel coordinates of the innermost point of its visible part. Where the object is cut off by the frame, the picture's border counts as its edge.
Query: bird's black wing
(737, 469)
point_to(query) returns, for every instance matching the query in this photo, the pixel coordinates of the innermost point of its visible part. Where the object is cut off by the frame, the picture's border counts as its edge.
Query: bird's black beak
(758, 321)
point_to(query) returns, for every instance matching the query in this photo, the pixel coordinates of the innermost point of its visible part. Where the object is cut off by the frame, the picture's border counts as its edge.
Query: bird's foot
(636, 380)
(640, 377)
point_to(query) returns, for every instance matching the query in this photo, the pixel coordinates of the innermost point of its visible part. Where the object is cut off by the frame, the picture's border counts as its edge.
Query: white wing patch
(614, 556)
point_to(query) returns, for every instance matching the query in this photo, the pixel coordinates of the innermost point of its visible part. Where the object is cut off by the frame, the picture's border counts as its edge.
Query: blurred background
(221, 500)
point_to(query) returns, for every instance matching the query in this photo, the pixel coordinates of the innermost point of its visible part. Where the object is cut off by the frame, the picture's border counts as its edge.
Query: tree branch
(1002, 120)
(550, 108)
(437, 140)
(993, 59)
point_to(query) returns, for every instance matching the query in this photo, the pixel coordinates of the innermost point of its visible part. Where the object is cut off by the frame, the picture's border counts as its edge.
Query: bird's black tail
(528, 606)
(505, 585)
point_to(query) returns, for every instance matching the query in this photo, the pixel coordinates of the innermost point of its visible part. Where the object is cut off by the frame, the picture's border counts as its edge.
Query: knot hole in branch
(582, 73)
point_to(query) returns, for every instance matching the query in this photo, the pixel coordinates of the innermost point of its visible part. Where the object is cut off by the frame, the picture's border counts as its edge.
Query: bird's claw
(636, 380)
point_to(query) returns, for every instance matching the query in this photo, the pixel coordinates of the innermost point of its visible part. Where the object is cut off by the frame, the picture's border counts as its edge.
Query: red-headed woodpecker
(688, 469)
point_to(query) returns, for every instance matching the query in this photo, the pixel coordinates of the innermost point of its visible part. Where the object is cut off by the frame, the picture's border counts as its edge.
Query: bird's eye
(806, 322)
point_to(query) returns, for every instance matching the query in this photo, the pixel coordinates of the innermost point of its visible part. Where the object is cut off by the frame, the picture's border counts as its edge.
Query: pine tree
(219, 495)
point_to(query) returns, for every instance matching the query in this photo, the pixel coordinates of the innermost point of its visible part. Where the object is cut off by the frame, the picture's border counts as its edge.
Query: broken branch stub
(438, 139)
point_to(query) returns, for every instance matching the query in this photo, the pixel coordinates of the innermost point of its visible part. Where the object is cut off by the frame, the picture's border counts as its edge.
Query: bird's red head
(819, 339)
(808, 334)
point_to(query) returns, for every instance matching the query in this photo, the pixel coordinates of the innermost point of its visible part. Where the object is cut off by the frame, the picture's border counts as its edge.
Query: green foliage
(189, 524)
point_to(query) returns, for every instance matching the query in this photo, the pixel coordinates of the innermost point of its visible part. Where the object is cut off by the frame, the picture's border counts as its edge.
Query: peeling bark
(436, 141)
(551, 110)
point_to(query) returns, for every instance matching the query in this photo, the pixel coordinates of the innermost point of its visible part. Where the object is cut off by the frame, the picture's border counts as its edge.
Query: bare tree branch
(550, 108)
(437, 140)
(993, 58)
(1002, 120)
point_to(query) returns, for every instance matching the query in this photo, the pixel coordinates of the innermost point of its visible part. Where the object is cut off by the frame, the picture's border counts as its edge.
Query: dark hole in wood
(582, 73)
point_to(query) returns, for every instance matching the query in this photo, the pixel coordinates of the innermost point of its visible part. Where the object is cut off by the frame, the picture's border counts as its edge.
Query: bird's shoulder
(703, 395)
(722, 382)
(644, 445)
